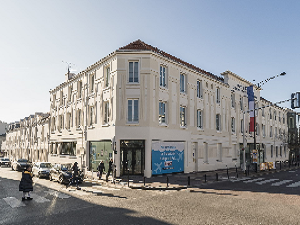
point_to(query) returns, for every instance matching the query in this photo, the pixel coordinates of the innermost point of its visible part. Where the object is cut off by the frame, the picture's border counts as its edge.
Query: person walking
(109, 169)
(26, 183)
(100, 169)
(75, 175)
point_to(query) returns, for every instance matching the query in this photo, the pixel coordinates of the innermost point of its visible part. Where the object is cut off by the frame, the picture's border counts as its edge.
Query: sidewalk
(176, 181)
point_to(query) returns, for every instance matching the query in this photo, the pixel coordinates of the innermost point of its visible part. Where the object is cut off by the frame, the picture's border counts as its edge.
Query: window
(91, 115)
(270, 114)
(182, 83)
(284, 149)
(263, 111)
(162, 76)
(218, 122)
(263, 130)
(280, 151)
(182, 116)
(92, 83)
(276, 151)
(232, 124)
(274, 115)
(133, 72)
(69, 118)
(241, 103)
(232, 100)
(199, 119)
(79, 88)
(271, 131)
(257, 129)
(218, 95)
(61, 97)
(275, 131)
(283, 119)
(107, 78)
(271, 151)
(78, 117)
(133, 110)
(279, 118)
(162, 112)
(70, 93)
(242, 126)
(106, 112)
(199, 89)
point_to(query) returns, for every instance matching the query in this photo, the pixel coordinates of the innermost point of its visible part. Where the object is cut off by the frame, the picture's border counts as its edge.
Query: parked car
(63, 173)
(20, 165)
(41, 169)
(5, 162)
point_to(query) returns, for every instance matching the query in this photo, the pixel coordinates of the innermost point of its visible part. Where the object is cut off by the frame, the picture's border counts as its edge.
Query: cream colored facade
(28, 138)
(98, 104)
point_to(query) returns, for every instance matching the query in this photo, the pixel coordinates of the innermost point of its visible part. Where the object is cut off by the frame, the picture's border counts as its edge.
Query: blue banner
(167, 157)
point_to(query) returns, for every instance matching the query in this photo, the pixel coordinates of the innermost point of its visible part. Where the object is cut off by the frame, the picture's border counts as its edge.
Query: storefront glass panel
(100, 150)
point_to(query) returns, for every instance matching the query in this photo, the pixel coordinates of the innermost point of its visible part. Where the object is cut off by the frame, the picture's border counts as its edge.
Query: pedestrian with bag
(100, 169)
(26, 183)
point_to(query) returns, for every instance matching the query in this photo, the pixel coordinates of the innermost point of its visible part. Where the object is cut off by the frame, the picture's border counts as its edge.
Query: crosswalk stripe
(281, 182)
(240, 179)
(13, 202)
(296, 184)
(250, 181)
(58, 194)
(266, 181)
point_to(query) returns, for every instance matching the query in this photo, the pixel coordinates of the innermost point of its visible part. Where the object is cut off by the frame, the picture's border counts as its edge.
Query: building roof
(142, 46)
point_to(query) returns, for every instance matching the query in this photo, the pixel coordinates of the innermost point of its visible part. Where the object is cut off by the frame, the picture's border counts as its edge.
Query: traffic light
(295, 100)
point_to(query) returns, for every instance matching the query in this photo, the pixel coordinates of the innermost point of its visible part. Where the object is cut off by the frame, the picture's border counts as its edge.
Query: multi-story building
(154, 113)
(28, 138)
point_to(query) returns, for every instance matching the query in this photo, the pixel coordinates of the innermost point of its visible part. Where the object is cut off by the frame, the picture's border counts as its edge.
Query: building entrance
(132, 157)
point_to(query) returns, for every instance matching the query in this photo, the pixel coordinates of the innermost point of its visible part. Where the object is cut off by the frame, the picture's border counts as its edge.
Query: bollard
(189, 181)
(144, 181)
(167, 181)
(204, 178)
(235, 169)
(227, 173)
(128, 176)
(280, 165)
(216, 176)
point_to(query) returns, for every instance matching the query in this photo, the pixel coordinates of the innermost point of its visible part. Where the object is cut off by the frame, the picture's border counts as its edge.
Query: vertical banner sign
(250, 94)
(167, 157)
(254, 156)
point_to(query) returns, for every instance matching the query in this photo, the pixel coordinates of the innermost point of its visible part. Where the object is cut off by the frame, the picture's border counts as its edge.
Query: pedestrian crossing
(49, 195)
(271, 182)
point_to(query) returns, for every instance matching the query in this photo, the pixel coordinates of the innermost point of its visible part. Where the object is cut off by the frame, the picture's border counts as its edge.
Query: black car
(5, 162)
(20, 165)
(63, 173)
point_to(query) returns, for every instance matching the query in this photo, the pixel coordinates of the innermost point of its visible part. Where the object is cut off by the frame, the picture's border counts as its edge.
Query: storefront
(100, 150)
(132, 157)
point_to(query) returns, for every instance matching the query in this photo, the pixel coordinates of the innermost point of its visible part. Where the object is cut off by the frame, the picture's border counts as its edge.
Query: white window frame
(232, 100)
(199, 89)
(182, 85)
(163, 76)
(218, 95)
(133, 101)
(199, 119)
(107, 77)
(92, 83)
(106, 112)
(135, 74)
(232, 124)
(79, 89)
(162, 112)
(182, 116)
(218, 122)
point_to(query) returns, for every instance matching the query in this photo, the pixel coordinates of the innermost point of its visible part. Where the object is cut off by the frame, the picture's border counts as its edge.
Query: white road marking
(13, 202)
(296, 184)
(266, 181)
(281, 182)
(240, 179)
(250, 181)
(58, 194)
(39, 199)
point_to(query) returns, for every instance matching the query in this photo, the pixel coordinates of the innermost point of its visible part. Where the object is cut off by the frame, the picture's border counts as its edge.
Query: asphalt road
(223, 202)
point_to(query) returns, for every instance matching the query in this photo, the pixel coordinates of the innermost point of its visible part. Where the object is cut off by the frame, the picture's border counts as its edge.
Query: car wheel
(61, 179)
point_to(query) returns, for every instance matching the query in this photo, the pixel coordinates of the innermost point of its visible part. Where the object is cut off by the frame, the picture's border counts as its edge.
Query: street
(268, 199)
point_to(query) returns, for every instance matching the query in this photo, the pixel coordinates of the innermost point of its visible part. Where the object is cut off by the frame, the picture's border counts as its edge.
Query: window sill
(132, 123)
(163, 125)
(91, 127)
(78, 128)
(163, 87)
(200, 129)
(105, 125)
(183, 127)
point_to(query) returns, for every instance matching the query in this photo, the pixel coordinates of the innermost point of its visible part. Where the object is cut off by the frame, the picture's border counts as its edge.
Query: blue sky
(255, 39)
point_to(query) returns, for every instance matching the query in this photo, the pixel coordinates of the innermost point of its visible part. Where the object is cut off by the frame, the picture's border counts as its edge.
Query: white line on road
(39, 199)
(58, 194)
(250, 181)
(13, 202)
(296, 184)
(281, 182)
(240, 179)
(266, 181)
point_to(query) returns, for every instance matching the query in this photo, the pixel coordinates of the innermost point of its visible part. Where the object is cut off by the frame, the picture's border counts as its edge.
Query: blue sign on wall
(167, 157)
